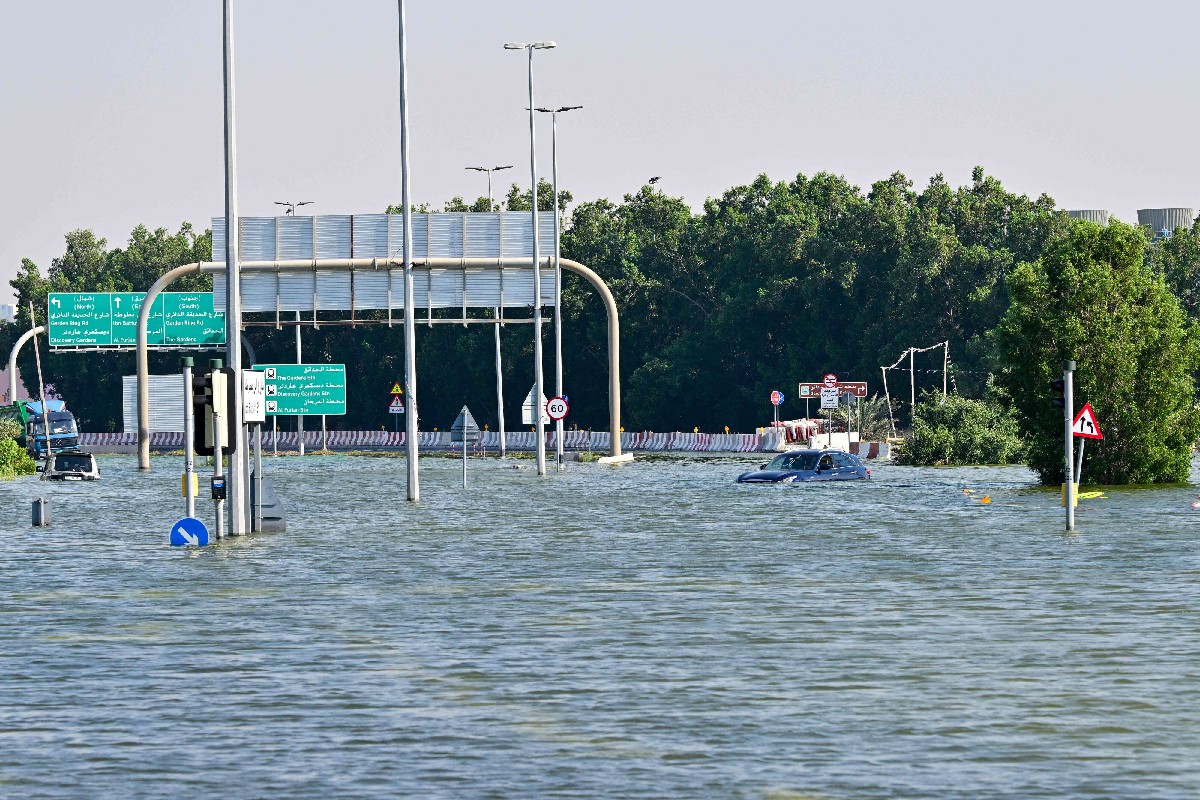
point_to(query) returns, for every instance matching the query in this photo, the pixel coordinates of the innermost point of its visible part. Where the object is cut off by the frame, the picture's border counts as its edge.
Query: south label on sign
(556, 408)
(189, 531)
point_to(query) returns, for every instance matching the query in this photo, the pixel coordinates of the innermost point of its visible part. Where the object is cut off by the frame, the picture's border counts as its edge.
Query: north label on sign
(1085, 425)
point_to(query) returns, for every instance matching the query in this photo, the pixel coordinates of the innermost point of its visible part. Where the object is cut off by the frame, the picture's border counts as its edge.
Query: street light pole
(558, 371)
(291, 207)
(538, 393)
(291, 212)
(496, 327)
(233, 293)
(491, 203)
(410, 340)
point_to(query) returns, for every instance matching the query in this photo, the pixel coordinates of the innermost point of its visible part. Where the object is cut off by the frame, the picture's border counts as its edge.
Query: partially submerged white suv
(72, 465)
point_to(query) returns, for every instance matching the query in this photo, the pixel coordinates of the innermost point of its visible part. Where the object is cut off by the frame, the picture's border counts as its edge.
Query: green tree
(518, 200)
(1093, 298)
(1178, 257)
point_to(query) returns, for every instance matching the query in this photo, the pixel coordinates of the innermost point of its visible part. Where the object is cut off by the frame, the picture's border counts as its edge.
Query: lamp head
(544, 45)
(515, 46)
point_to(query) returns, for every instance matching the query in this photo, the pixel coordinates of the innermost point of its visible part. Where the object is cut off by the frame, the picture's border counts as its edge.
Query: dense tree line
(769, 284)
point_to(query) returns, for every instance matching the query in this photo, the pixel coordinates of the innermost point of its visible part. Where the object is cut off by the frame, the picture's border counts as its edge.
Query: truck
(63, 430)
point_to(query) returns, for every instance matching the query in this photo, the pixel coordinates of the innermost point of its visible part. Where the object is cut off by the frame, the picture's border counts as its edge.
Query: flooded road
(648, 631)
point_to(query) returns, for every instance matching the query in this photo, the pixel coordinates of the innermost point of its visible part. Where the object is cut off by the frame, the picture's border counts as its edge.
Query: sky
(113, 110)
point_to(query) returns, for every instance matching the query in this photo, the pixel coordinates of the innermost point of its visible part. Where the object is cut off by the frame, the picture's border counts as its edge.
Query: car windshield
(806, 461)
(72, 463)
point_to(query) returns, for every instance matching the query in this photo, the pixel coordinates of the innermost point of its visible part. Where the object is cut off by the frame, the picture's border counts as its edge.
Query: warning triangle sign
(397, 402)
(396, 388)
(1085, 425)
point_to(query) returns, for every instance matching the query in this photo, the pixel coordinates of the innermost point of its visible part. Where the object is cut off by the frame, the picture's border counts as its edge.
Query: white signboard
(254, 396)
(527, 409)
(829, 398)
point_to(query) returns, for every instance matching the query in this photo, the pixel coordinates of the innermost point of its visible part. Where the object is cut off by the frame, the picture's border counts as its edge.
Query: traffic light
(201, 391)
(207, 392)
(1058, 400)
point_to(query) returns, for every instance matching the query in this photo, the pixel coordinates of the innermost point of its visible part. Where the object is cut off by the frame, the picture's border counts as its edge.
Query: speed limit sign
(556, 408)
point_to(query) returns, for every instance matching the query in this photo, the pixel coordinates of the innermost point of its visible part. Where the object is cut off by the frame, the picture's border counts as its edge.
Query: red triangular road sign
(1085, 425)
(397, 402)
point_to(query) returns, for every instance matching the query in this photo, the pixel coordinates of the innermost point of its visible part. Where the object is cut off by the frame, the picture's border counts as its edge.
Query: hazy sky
(113, 108)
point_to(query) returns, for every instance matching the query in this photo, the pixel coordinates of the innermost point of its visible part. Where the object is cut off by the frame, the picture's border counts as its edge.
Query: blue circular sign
(189, 531)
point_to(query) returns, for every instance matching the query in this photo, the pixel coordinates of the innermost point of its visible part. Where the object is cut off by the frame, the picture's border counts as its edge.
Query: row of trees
(770, 284)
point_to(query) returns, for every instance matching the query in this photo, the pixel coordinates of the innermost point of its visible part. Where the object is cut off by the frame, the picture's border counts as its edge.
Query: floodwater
(647, 631)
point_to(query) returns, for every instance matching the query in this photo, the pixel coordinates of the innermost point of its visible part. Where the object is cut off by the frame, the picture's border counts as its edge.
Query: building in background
(1163, 221)
(8, 312)
(1096, 215)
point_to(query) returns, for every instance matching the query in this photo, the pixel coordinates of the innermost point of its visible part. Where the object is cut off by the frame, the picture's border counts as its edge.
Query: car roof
(813, 450)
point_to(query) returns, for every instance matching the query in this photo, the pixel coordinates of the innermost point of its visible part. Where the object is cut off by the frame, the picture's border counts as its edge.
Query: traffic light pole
(1068, 408)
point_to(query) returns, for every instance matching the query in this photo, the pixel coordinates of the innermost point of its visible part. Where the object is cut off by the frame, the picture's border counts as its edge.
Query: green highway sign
(109, 319)
(305, 389)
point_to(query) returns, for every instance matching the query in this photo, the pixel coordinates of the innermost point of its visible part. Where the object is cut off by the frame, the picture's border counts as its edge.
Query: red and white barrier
(771, 440)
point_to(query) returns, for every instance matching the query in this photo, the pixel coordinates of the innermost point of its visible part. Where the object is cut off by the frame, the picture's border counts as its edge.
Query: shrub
(10, 428)
(961, 431)
(14, 460)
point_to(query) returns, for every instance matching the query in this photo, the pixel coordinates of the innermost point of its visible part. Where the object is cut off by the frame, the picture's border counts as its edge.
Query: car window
(842, 460)
(803, 461)
(70, 463)
(826, 462)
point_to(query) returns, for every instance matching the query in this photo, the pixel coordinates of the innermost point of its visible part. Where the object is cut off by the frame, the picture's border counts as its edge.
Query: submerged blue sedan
(809, 465)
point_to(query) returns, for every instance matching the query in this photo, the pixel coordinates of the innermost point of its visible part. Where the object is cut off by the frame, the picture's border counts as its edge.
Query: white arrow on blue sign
(189, 531)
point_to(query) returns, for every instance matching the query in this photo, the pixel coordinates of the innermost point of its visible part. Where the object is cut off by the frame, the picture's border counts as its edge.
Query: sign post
(776, 400)
(1069, 397)
(829, 400)
(465, 430)
(254, 412)
(1084, 426)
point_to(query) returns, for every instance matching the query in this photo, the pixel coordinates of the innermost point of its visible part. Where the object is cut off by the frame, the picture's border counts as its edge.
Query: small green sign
(109, 319)
(305, 389)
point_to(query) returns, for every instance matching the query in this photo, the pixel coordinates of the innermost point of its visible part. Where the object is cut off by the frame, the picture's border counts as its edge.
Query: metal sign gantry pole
(347, 264)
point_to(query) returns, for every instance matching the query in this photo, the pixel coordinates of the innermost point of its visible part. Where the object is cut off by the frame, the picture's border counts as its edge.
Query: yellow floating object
(986, 499)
